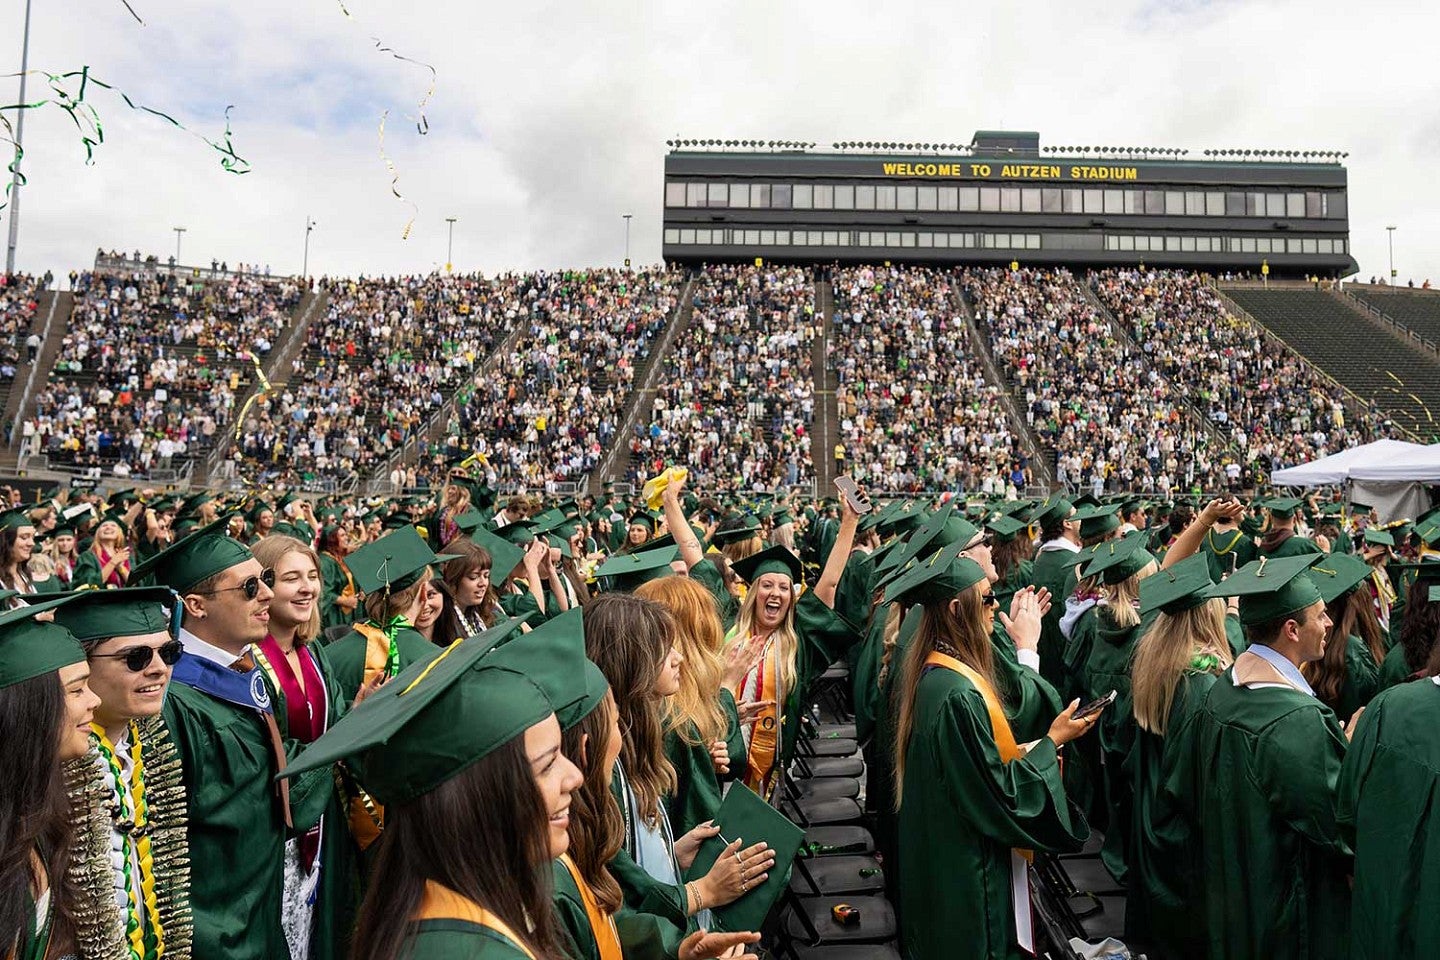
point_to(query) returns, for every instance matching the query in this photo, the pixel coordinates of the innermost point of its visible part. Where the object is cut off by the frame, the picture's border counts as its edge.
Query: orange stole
(439, 902)
(765, 733)
(602, 924)
(366, 817)
(1009, 750)
(377, 650)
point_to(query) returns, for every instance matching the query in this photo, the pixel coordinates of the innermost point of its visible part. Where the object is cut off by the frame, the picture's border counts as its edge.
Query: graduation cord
(391, 630)
(133, 825)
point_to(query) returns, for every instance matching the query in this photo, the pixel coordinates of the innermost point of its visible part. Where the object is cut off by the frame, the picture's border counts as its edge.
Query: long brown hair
(628, 637)
(963, 634)
(470, 558)
(1009, 554)
(1165, 652)
(597, 827)
(269, 551)
(483, 834)
(35, 815)
(1350, 615)
(1420, 626)
(693, 713)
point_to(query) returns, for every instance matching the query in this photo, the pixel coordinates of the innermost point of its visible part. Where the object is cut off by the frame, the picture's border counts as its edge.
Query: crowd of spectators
(736, 398)
(1114, 421)
(550, 411)
(19, 302)
(383, 358)
(150, 366)
(916, 411)
(1276, 410)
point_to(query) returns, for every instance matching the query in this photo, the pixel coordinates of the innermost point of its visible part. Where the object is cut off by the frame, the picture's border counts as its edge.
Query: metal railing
(34, 369)
(1396, 327)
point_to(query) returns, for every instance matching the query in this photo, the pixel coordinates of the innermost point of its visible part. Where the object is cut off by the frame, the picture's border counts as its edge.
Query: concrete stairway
(826, 428)
(51, 321)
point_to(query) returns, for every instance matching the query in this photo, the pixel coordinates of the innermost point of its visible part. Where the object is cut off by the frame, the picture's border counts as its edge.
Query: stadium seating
(915, 409)
(1114, 422)
(1362, 356)
(19, 304)
(735, 399)
(1276, 410)
(150, 367)
(1417, 310)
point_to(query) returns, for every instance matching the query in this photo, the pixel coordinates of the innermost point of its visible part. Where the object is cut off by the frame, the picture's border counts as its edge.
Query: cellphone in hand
(1095, 706)
(850, 490)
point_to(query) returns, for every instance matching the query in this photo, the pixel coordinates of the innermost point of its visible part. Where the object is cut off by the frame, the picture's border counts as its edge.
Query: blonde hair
(380, 606)
(784, 638)
(888, 640)
(693, 713)
(269, 550)
(1122, 600)
(1166, 651)
(964, 633)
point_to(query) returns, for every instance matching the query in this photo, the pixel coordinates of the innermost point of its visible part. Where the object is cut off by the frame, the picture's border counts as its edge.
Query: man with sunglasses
(220, 715)
(128, 639)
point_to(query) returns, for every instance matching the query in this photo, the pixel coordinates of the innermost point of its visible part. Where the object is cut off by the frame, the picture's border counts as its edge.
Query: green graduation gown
(707, 573)
(1362, 680)
(963, 811)
(1163, 857)
(347, 657)
(1226, 552)
(333, 576)
(1294, 546)
(698, 789)
(1395, 669)
(457, 940)
(643, 936)
(237, 830)
(1389, 789)
(1255, 776)
(1052, 570)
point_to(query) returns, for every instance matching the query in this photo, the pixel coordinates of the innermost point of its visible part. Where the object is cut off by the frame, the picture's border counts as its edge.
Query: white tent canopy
(1378, 460)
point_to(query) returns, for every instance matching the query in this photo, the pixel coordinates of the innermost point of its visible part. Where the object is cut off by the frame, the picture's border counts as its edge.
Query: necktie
(246, 664)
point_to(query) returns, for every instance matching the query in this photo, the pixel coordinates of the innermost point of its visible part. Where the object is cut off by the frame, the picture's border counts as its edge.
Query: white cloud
(549, 119)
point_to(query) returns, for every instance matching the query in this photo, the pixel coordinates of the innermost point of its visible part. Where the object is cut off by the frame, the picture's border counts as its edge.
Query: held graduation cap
(30, 649)
(1271, 588)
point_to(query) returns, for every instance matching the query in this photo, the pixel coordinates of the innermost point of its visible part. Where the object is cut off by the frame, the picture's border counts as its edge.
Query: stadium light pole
(305, 265)
(627, 239)
(14, 236)
(1390, 235)
(450, 247)
(178, 232)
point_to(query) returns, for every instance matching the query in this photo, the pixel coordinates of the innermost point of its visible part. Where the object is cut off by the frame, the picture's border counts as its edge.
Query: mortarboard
(630, 570)
(504, 555)
(1378, 538)
(1006, 528)
(30, 648)
(1271, 588)
(197, 557)
(1282, 507)
(392, 563)
(1097, 521)
(1338, 574)
(1053, 509)
(935, 580)
(96, 615)
(1115, 561)
(743, 814)
(776, 559)
(1177, 588)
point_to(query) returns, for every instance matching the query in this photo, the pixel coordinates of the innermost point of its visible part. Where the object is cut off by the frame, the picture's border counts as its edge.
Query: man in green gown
(220, 714)
(1058, 553)
(1255, 777)
(1281, 540)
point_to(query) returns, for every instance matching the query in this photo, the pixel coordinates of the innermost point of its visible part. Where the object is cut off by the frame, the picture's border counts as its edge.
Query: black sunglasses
(251, 586)
(989, 600)
(138, 659)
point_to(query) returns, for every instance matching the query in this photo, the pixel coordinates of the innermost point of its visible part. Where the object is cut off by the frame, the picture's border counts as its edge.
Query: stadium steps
(827, 408)
(1042, 458)
(1218, 437)
(277, 371)
(52, 319)
(1354, 349)
(1412, 313)
(619, 461)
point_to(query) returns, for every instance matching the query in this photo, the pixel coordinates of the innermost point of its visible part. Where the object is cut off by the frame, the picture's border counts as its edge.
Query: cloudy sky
(548, 119)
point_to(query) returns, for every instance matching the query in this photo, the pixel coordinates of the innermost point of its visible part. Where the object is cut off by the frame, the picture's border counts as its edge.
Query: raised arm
(1188, 543)
(839, 554)
(690, 549)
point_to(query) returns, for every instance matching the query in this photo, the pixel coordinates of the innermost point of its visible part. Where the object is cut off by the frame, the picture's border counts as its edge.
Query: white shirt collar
(1060, 543)
(206, 651)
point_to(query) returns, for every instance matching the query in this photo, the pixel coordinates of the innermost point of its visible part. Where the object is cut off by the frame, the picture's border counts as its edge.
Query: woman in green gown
(1348, 676)
(1419, 631)
(971, 801)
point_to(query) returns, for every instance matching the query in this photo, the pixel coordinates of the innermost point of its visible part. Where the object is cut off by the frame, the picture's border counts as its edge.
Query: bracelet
(694, 890)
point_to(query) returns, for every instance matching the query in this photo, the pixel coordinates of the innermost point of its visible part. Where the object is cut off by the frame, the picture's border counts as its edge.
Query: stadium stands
(1416, 310)
(149, 368)
(19, 304)
(735, 399)
(915, 409)
(1360, 354)
(1113, 420)
(1276, 410)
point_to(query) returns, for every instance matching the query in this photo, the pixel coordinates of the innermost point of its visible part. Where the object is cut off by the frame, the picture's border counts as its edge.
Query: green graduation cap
(392, 563)
(562, 545)
(547, 521)
(776, 559)
(257, 508)
(1282, 508)
(518, 531)
(1338, 574)
(470, 520)
(1428, 531)
(1376, 537)
(1115, 561)
(1434, 595)
(743, 814)
(1085, 500)
(1006, 528)
(1096, 521)
(748, 529)
(195, 502)
(197, 557)
(629, 570)
(936, 580)
(30, 648)
(432, 721)
(1053, 509)
(15, 519)
(93, 616)
(1177, 588)
(940, 529)
(553, 655)
(645, 519)
(1271, 588)
(504, 555)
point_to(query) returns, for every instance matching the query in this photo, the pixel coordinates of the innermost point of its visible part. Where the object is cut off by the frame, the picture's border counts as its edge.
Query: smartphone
(850, 490)
(1095, 706)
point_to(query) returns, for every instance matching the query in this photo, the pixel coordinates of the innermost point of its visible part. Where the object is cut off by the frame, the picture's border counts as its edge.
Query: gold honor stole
(1009, 750)
(366, 817)
(765, 732)
(602, 924)
(377, 650)
(441, 903)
